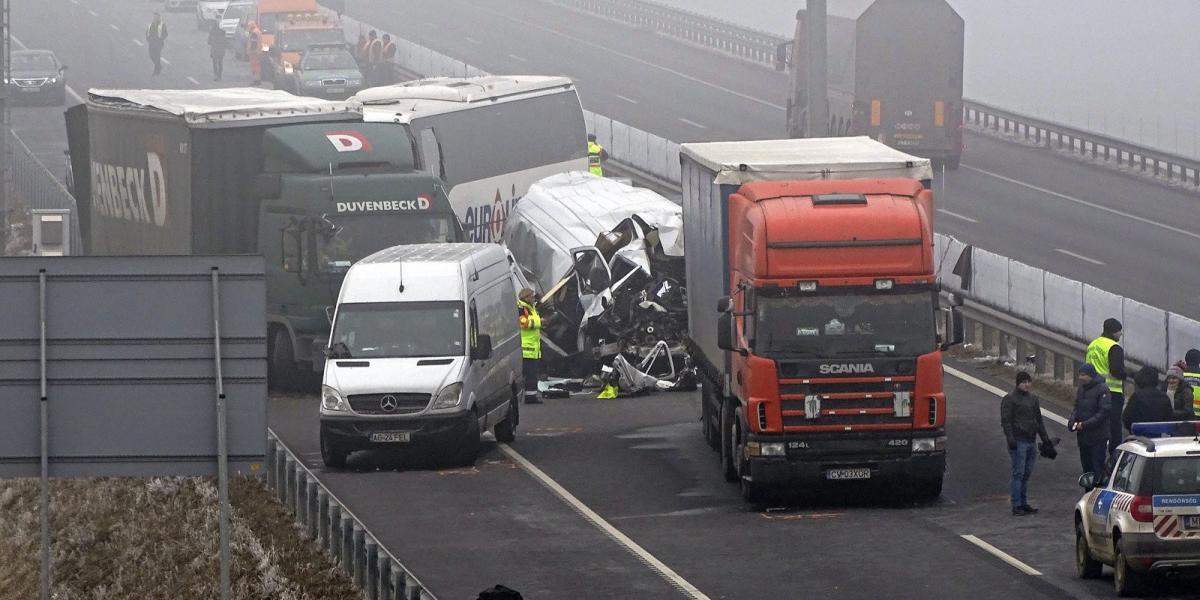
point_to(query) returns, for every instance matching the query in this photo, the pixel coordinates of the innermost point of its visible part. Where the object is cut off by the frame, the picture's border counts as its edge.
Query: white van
(425, 351)
(489, 138)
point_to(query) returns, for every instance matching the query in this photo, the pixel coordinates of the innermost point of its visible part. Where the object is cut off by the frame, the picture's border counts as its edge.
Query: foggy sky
(1129, 69)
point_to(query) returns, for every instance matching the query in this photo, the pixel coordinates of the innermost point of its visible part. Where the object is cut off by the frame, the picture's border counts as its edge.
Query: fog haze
(1129, 69)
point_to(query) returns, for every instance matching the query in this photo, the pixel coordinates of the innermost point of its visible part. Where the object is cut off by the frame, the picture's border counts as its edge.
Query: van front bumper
(354, 433)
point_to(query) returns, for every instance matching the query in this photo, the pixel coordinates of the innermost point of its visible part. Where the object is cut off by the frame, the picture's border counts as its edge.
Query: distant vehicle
(270, 14)
(425, 352)
(895, 75)
(301, 181)
(323, 71)
(37, 75)
(232, 15)
(180, 5)
(488, 137)
(1143, 519)
(294, 35)
(209, 12)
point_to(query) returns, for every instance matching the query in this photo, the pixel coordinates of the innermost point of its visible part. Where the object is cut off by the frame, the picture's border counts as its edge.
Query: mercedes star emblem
(388, 403)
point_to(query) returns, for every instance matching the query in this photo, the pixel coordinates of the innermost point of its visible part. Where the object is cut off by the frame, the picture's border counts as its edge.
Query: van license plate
(1191, 522)
(846, 474)
(390, 436)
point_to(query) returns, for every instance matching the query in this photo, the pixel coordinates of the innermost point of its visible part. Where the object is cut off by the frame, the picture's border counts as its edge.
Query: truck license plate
(846, 474)
(390, 436)
(1191, 522)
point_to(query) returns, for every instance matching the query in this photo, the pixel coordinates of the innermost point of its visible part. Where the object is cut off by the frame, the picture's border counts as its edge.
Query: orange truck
(269, 15)
(813, 308)
(293, 35)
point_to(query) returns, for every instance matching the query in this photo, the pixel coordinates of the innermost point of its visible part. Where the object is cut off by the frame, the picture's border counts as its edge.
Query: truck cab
(294, 35)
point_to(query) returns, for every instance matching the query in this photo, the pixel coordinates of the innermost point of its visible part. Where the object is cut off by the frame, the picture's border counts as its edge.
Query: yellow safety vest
(531, 330)
(1097, 356)
(594, 165)
(1194, 380)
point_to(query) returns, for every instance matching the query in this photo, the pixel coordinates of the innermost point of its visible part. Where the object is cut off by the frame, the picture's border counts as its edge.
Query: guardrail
(1096, 146)
(35, 187)
(336, 530)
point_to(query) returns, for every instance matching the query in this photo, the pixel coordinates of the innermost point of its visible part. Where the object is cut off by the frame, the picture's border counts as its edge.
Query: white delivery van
(425, 351)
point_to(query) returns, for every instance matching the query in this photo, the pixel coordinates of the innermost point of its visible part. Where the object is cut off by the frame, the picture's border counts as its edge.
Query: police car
(1144, 521)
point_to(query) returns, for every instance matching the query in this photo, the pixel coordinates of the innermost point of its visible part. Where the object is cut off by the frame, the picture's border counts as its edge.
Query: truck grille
(839, 387)
(847, 419)
(373, 404)
(849, 402)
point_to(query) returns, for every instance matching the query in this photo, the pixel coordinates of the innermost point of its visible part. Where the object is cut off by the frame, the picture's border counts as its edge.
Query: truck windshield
(298, 40)
(399, 330)
(357, 236)
(845, 324)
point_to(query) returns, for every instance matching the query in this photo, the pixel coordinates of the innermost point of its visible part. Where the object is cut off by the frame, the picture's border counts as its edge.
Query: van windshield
(399, 330)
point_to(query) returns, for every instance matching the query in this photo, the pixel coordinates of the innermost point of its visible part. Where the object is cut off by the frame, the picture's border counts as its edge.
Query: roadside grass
(157, 538)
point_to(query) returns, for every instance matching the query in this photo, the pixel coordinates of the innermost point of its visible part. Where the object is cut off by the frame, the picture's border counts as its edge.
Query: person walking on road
(216, 50)
(1148, 404)
(1191, 374)
(374, 55)
(1181, 394)
(1021, 419)
(531, 342)
(156, 37)
(387, 58)
(596, 156)
(1108, 357)
(1089, 420)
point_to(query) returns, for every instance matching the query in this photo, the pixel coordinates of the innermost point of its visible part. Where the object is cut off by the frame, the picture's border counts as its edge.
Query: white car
(180, 5)
(1144, 520)
(209, 12)
(232, 14)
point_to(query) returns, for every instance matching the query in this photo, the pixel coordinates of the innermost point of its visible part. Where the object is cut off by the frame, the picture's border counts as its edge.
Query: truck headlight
(332, 400)
(929, 444)
(266, 48)
(765, 449)
(449, 397)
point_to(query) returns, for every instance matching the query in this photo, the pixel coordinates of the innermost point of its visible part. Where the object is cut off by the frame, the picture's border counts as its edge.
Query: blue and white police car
(1143, 519)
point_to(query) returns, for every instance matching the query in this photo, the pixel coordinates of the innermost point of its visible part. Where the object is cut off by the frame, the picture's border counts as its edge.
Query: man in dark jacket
(1108, 357)
(1147, 404)
(1021, 418)
(1089, 420)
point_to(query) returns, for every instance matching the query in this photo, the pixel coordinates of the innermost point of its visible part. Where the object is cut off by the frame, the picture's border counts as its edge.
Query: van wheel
(728, 441)
(332, 453)
(285, 373)
(470, 444)
(1086, 567)
(1126, 582)
(506, 430)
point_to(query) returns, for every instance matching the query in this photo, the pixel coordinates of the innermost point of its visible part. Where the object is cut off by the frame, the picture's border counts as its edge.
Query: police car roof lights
(1166, 429)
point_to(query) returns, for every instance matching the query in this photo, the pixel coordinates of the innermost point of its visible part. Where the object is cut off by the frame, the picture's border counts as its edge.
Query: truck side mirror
(953, 328)
(724, 304)
(725, 331)
(482, 350)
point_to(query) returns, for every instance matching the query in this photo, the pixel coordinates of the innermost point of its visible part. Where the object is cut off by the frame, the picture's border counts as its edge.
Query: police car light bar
(1166, 429)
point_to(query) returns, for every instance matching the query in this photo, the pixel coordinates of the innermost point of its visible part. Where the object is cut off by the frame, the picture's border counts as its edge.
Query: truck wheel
(1086, 567)
(506, 430)
(469, 451)
(284, 373)
(712, 433)
(728, 441)
(1125, 580)
(332, 453)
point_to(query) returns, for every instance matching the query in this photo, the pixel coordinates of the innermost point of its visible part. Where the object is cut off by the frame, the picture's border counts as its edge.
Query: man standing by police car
(1021, 419)
(1089, 420)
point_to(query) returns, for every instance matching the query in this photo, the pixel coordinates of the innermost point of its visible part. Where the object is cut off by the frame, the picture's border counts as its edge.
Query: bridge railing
(35, 187)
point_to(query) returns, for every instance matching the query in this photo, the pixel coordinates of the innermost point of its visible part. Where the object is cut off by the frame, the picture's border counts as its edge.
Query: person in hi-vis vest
(1108, 357)
(531, 342)
(596, 156)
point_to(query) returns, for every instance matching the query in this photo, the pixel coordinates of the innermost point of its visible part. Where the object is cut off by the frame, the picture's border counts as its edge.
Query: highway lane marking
(114, 27)
(637, 60)
(473, 41)
(956, 215)
(615, 534)
(987, 387)
(93, 13)
(70, 92)
(692, 123)
(193, 80)
(1079, 256)
(166, 62)
(1106, 209)
(518, 58)
(629, 100)
(1002, 555)
(137, 42)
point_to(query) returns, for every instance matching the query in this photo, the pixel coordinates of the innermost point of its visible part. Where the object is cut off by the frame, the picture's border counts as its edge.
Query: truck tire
(284, 373)
(332, 453)
(728, 442)
(708, 424)
(506, 430)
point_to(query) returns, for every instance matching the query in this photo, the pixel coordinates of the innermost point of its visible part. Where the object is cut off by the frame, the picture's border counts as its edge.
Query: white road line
(692, 123)
(987, 387)
(612, 532)
(1002, 555)
(518, 58)
(137, 42)
(113, 27)
(93, 13)
(70, 92)
(473, 41)
(1106, 209)
(635, 59)
(956, 215)
(166, 62)
(1079, 256)
(629, 100)
(193, 80)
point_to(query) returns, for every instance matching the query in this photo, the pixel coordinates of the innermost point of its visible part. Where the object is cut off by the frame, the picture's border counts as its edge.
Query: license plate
(1191, 522)
(30, 90)
(336, 90)
(846, 474)
(390, 437)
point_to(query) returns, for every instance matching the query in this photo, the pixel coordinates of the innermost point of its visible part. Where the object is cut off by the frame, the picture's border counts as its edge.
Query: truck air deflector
(843, 244)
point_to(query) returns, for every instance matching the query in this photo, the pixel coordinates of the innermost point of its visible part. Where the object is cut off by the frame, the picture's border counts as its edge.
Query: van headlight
(449, 397)
(332, 400)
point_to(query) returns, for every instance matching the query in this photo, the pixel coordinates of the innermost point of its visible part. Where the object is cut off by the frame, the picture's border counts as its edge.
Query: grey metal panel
(705, 232)
(131, 387)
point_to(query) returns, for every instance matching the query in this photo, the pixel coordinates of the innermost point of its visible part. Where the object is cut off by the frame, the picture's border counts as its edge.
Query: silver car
(1144, 519)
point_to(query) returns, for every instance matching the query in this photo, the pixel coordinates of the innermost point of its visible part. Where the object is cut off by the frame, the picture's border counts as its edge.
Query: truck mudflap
(779, 460)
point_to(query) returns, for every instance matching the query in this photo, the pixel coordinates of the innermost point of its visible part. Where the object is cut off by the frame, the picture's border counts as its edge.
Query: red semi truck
(813, 312)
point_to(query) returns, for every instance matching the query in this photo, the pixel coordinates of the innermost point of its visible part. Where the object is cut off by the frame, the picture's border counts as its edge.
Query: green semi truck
(303, 182)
